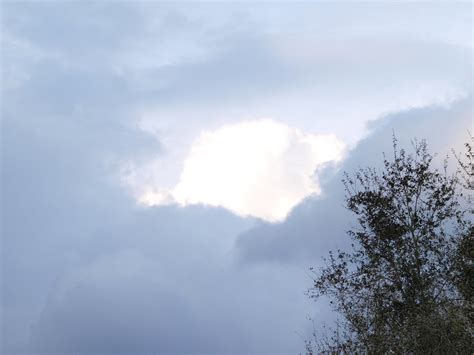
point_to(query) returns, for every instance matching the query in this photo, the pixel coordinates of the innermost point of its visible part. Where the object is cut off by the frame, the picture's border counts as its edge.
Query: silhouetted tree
(401, 287)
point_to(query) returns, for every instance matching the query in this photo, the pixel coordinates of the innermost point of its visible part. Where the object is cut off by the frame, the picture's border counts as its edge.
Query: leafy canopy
(399, 288)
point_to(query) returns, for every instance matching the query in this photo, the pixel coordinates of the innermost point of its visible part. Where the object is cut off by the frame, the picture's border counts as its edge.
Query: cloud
(254, 168)
(97, 89)
(320, 223)
(126, 302)
(81, 264)
(165, 279)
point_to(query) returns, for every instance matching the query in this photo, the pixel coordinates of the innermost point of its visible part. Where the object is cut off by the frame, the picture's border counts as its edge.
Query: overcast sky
(171, 171)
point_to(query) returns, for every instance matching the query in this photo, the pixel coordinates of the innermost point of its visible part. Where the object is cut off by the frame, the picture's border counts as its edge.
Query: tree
(465, 253)
(398, 287)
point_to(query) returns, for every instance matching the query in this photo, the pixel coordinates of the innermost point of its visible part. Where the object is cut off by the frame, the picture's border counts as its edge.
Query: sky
(171, 171)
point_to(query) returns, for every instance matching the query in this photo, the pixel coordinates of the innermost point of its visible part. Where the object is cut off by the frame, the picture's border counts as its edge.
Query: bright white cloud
(258, 168)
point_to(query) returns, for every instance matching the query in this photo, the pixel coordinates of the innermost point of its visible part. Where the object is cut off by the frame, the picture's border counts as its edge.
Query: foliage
(464, 264)
(401, 287)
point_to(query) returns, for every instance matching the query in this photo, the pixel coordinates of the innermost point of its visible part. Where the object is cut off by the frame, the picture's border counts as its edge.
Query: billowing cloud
(321, 222)
(254, 168)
